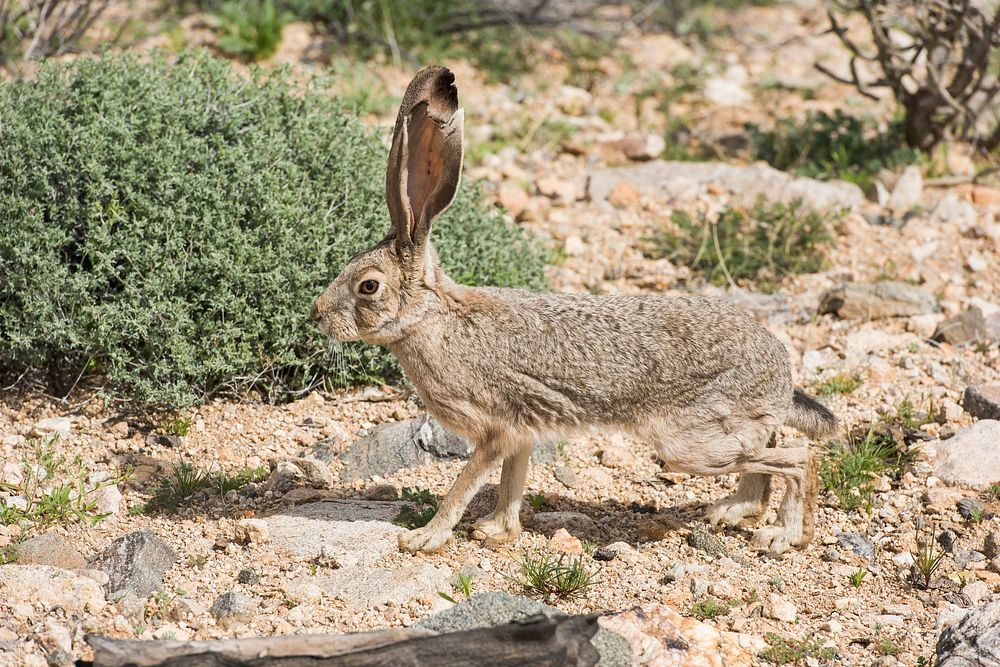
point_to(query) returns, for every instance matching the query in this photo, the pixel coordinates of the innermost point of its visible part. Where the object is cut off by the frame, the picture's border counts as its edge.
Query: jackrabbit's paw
(427, 538)
(772, 539)
(495, 530)
(730, 511)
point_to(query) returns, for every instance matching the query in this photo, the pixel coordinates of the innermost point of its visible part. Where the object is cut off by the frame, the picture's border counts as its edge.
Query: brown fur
(695, 377)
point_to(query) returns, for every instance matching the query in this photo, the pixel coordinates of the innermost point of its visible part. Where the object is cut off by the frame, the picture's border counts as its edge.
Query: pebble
(833, 626)
(562, 542)
(970, 508)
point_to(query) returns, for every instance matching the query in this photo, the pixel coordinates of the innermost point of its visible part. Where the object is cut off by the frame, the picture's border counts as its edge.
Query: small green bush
(251, 28)
(838, 146)
(167, 227)
(761, 244)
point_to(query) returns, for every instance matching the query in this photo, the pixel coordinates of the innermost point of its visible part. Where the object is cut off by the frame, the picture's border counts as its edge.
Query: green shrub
(838, 146)
(168, 227)
(251, 28)
(850, 471)
(761, 244)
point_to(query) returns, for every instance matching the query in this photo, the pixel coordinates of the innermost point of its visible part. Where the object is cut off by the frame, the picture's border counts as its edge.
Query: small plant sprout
(842, 383)
(709, 608)
(776, 582)
(462, 584)
(553, 577)
(926, 559)
(536, 500)
(176, 425)
(976, 515)
(857, 577)
(850, 471)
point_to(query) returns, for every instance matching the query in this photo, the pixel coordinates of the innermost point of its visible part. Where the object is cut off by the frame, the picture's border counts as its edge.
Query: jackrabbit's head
(386, 288)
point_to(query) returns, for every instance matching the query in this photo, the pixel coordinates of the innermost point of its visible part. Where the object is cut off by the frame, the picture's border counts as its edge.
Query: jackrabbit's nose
(314, 313)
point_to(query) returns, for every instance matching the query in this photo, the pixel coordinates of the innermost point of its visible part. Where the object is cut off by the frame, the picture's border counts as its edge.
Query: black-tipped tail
(810, 416)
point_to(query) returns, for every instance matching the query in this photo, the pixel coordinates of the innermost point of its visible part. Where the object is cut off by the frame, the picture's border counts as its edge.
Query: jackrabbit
(695, 377)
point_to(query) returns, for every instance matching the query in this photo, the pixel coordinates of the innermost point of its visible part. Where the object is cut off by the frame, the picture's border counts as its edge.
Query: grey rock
(877, 301)
(857, 543)
(992, 327)
(316, 472)
(831, 555)
(947, 539)
(567, 476)
(577, 523)
(972, 456)
(234, 608)
(395, 445)
(346, 532)
(702, 539)
(135, 563)
(969, 507)
(968, 328)
(982, 401)
(490, 609)
(991, 545)
(685, 181)
(50, 549)
(248, 577)
(285, 477)
(972, 641)
(57, 642)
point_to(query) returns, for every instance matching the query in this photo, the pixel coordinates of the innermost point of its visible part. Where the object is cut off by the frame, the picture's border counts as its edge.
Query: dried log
(536, 641)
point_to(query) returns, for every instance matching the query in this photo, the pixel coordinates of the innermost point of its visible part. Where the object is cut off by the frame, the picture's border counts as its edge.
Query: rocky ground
(908, 303)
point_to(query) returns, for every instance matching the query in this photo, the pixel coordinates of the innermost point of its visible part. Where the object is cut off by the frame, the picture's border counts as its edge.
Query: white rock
(50, 587)
(722, 589)
(254, 531)
(109, 499)
(574, 246)
(908, 191)
(781, 609)
(348, 532)
(833, 626)
(953, 210)
(903, 559)
(61, 426)
(976, 262)
(976, 591)
(972, 456)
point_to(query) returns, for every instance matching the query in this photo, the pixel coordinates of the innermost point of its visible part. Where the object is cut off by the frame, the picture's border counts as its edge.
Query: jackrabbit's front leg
(503, 524)
(434, 535)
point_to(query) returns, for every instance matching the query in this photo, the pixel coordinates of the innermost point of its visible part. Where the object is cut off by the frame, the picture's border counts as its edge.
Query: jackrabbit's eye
(368, 287)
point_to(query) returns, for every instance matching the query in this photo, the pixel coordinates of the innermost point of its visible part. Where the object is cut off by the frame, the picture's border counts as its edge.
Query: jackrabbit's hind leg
(503, 523)
(750, 499)
(789, 529)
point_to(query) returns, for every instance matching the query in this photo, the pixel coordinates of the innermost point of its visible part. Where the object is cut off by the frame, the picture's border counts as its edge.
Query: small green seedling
(553, 576)
(857, 577)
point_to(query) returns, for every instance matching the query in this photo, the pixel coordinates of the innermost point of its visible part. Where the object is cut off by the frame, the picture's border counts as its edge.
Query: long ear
(425, 161)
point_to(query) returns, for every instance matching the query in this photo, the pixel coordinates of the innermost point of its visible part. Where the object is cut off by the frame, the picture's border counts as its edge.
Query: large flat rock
(685, 181)
(349, 533)
(364, 587)
(972, 456)
(50, 587)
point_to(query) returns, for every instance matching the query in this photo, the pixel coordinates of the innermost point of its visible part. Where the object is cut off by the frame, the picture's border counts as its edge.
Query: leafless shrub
(940, 59)
(36, 29)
